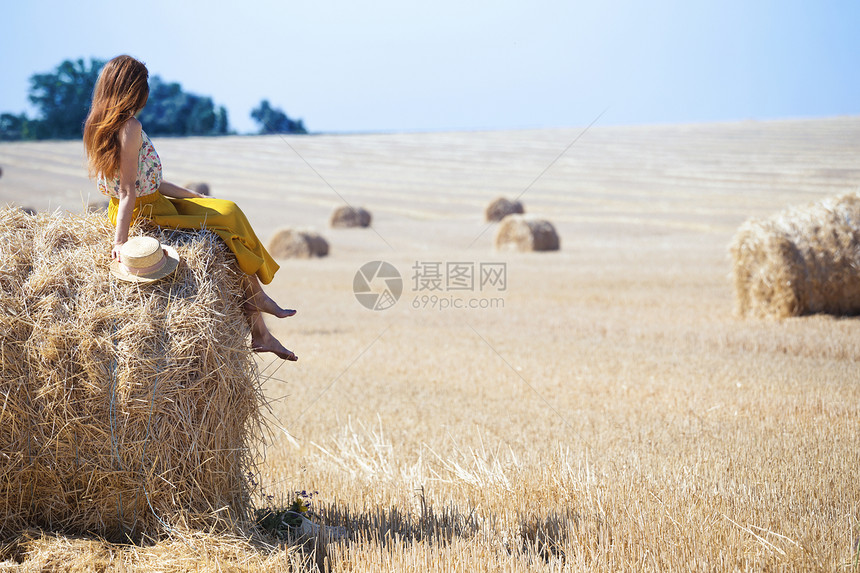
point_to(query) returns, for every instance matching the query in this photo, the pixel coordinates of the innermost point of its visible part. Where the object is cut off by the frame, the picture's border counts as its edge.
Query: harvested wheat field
(599, 407)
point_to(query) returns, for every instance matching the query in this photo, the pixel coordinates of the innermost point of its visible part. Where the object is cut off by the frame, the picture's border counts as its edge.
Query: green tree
(171, 111)
(222, 124)
(273, 120)
(62, 98)
(15, 127)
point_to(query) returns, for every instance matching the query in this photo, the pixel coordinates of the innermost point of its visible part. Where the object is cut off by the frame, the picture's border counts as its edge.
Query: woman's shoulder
(130, 131)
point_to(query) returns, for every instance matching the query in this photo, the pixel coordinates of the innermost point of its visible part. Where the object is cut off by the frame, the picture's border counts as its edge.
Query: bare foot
(270, 307)
(257, 300)
(285, 312)
(271, 344)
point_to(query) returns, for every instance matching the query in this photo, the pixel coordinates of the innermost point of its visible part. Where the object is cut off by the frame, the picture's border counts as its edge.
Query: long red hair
(120, 92)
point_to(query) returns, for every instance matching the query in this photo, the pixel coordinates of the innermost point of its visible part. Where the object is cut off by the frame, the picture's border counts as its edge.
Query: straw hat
(144, 259)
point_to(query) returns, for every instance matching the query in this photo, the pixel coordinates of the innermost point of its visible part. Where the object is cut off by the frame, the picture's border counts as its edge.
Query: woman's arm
(130, 141)
(170, 190)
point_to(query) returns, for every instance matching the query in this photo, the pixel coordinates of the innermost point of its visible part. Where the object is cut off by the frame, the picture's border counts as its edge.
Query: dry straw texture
(521, 233)
(297, 244)
(126, 409)
(348, 216)
(500, 208)
(804, 260)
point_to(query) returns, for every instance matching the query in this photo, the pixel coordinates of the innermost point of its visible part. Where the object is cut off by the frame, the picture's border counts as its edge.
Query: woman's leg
(255, 302)
(260, 301)
(262, 340)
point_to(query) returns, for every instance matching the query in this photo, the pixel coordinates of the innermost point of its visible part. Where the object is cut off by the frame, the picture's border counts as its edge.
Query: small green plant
(281, 523)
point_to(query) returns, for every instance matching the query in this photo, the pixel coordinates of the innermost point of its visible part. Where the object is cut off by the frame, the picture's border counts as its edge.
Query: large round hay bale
(522, 233)
(126, 407)
(500, 208)
(349, 216)
(98, 206)
(297, 244)
(804, 260)
(199, 187)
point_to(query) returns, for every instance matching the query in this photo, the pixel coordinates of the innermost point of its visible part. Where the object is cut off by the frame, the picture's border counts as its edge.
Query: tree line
(62, 99)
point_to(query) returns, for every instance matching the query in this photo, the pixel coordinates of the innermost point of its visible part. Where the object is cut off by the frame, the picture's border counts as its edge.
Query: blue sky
(400, 65)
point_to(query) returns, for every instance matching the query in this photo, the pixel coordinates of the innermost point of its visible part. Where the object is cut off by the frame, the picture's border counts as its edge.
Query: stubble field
(602, 409)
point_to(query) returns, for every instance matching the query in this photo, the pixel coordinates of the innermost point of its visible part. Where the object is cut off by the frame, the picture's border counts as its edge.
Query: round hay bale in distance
(97, 206)
(522, 233)
(804, 260)
(297, 244)
(347, 216)
(501, 207)
(127, 407)
(201, 188)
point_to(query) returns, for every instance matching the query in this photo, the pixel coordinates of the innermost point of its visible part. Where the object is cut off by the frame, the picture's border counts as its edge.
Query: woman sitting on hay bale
(129, 171)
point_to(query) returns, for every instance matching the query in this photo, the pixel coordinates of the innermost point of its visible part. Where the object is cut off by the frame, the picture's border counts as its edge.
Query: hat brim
(170, 265)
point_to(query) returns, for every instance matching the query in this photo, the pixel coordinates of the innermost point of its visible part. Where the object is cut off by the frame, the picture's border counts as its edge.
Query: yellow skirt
(222, 217)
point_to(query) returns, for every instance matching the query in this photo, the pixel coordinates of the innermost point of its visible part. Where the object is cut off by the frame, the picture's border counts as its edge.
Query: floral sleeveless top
(148, 172)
